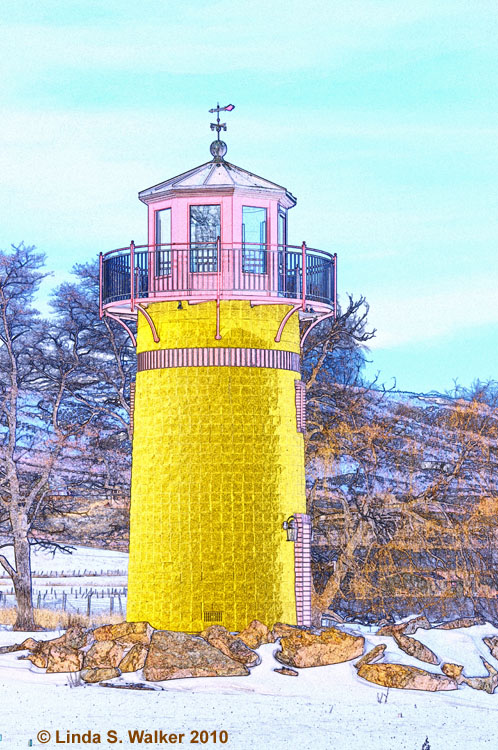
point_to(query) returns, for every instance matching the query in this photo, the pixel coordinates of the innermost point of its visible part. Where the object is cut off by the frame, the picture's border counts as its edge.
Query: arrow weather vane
(220, 125)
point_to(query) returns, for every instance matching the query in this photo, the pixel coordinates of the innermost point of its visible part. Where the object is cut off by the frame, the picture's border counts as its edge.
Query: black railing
(218, 270)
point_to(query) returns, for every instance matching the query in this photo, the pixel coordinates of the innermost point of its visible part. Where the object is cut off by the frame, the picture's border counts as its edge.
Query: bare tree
(35, 365)
(334, 356)
(56, 409)
(101, 383)
(402, 491)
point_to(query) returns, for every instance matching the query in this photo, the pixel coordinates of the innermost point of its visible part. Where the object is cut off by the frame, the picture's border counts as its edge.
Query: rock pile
(110, 651)
(414, 678)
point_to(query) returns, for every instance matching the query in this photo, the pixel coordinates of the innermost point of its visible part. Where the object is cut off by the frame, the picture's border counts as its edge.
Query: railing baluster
(100, 286)
(132, 280)
(334, 267)
(304, 274)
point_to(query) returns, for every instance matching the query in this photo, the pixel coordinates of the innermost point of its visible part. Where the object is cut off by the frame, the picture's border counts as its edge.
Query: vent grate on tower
(213, 616)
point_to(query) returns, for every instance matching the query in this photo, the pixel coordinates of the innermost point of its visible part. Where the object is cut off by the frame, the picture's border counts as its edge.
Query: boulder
(131, 686)
(391, 629)
(287, 671)
(408, 678)
(454, 671)
(10, 649)
(418, 622)
(281, 629)
(61, 658)
(374, 655)
(75, 637)
(406, 628)
(414, 648)
(29, 644)
(175, 655)
(462, 622)
(488, 684)
(97, 675)
(492, 644)
(255, 634)
(134, 659)
(304, 649)
(238, 650)
(127, 633)
(38, 659)
(216, 633)
(103, 654)
(39, 651)
(231, 645)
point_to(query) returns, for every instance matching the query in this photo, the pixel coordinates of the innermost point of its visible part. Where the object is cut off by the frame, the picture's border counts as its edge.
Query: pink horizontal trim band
(217, 356)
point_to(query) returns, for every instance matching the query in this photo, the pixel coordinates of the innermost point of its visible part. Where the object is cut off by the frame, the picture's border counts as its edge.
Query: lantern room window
(205, 228)
(282, 226)
(163, 242)
(253, 239)
(282, 242)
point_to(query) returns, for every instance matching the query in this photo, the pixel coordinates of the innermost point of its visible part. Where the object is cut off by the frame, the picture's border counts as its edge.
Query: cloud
(430, 311)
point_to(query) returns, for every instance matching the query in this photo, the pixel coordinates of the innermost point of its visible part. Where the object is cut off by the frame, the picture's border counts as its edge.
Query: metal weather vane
(220, 125)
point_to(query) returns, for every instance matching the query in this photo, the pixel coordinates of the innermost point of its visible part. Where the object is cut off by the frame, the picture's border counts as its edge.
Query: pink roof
(216, 174)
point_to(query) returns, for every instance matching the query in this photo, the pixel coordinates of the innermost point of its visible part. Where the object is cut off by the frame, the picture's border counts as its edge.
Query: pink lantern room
(218, 232)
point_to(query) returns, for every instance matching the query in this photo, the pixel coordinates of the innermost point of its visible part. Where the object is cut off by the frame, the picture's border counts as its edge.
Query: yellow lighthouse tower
(218, 526)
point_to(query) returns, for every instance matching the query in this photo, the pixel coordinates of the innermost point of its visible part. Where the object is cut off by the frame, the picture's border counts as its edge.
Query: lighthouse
(218, 527)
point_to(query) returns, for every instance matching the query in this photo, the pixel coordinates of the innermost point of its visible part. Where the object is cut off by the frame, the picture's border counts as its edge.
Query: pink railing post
(304, 274)
(151, 269)
(132, 276)
(100, 286)
(218, 288)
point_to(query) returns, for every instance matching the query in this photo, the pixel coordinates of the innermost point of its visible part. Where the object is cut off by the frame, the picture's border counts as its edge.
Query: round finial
(218, 150)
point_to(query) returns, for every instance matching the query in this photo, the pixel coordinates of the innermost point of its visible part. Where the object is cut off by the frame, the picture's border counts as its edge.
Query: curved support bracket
(150, 322)
(284, 322)
(315, 323)
(122, 323)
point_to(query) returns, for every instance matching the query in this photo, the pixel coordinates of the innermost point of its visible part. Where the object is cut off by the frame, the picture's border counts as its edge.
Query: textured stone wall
(218, 465)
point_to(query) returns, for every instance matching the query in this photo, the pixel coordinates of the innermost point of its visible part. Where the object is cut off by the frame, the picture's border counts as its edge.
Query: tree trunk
(321, 602)
(22, 579)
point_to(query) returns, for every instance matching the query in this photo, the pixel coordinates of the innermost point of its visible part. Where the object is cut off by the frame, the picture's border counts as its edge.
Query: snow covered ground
(65, 580)
(323, 708)
(81, 559)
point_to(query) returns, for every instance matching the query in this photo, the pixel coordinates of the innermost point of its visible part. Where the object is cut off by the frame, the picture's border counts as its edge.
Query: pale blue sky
(381, 117)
